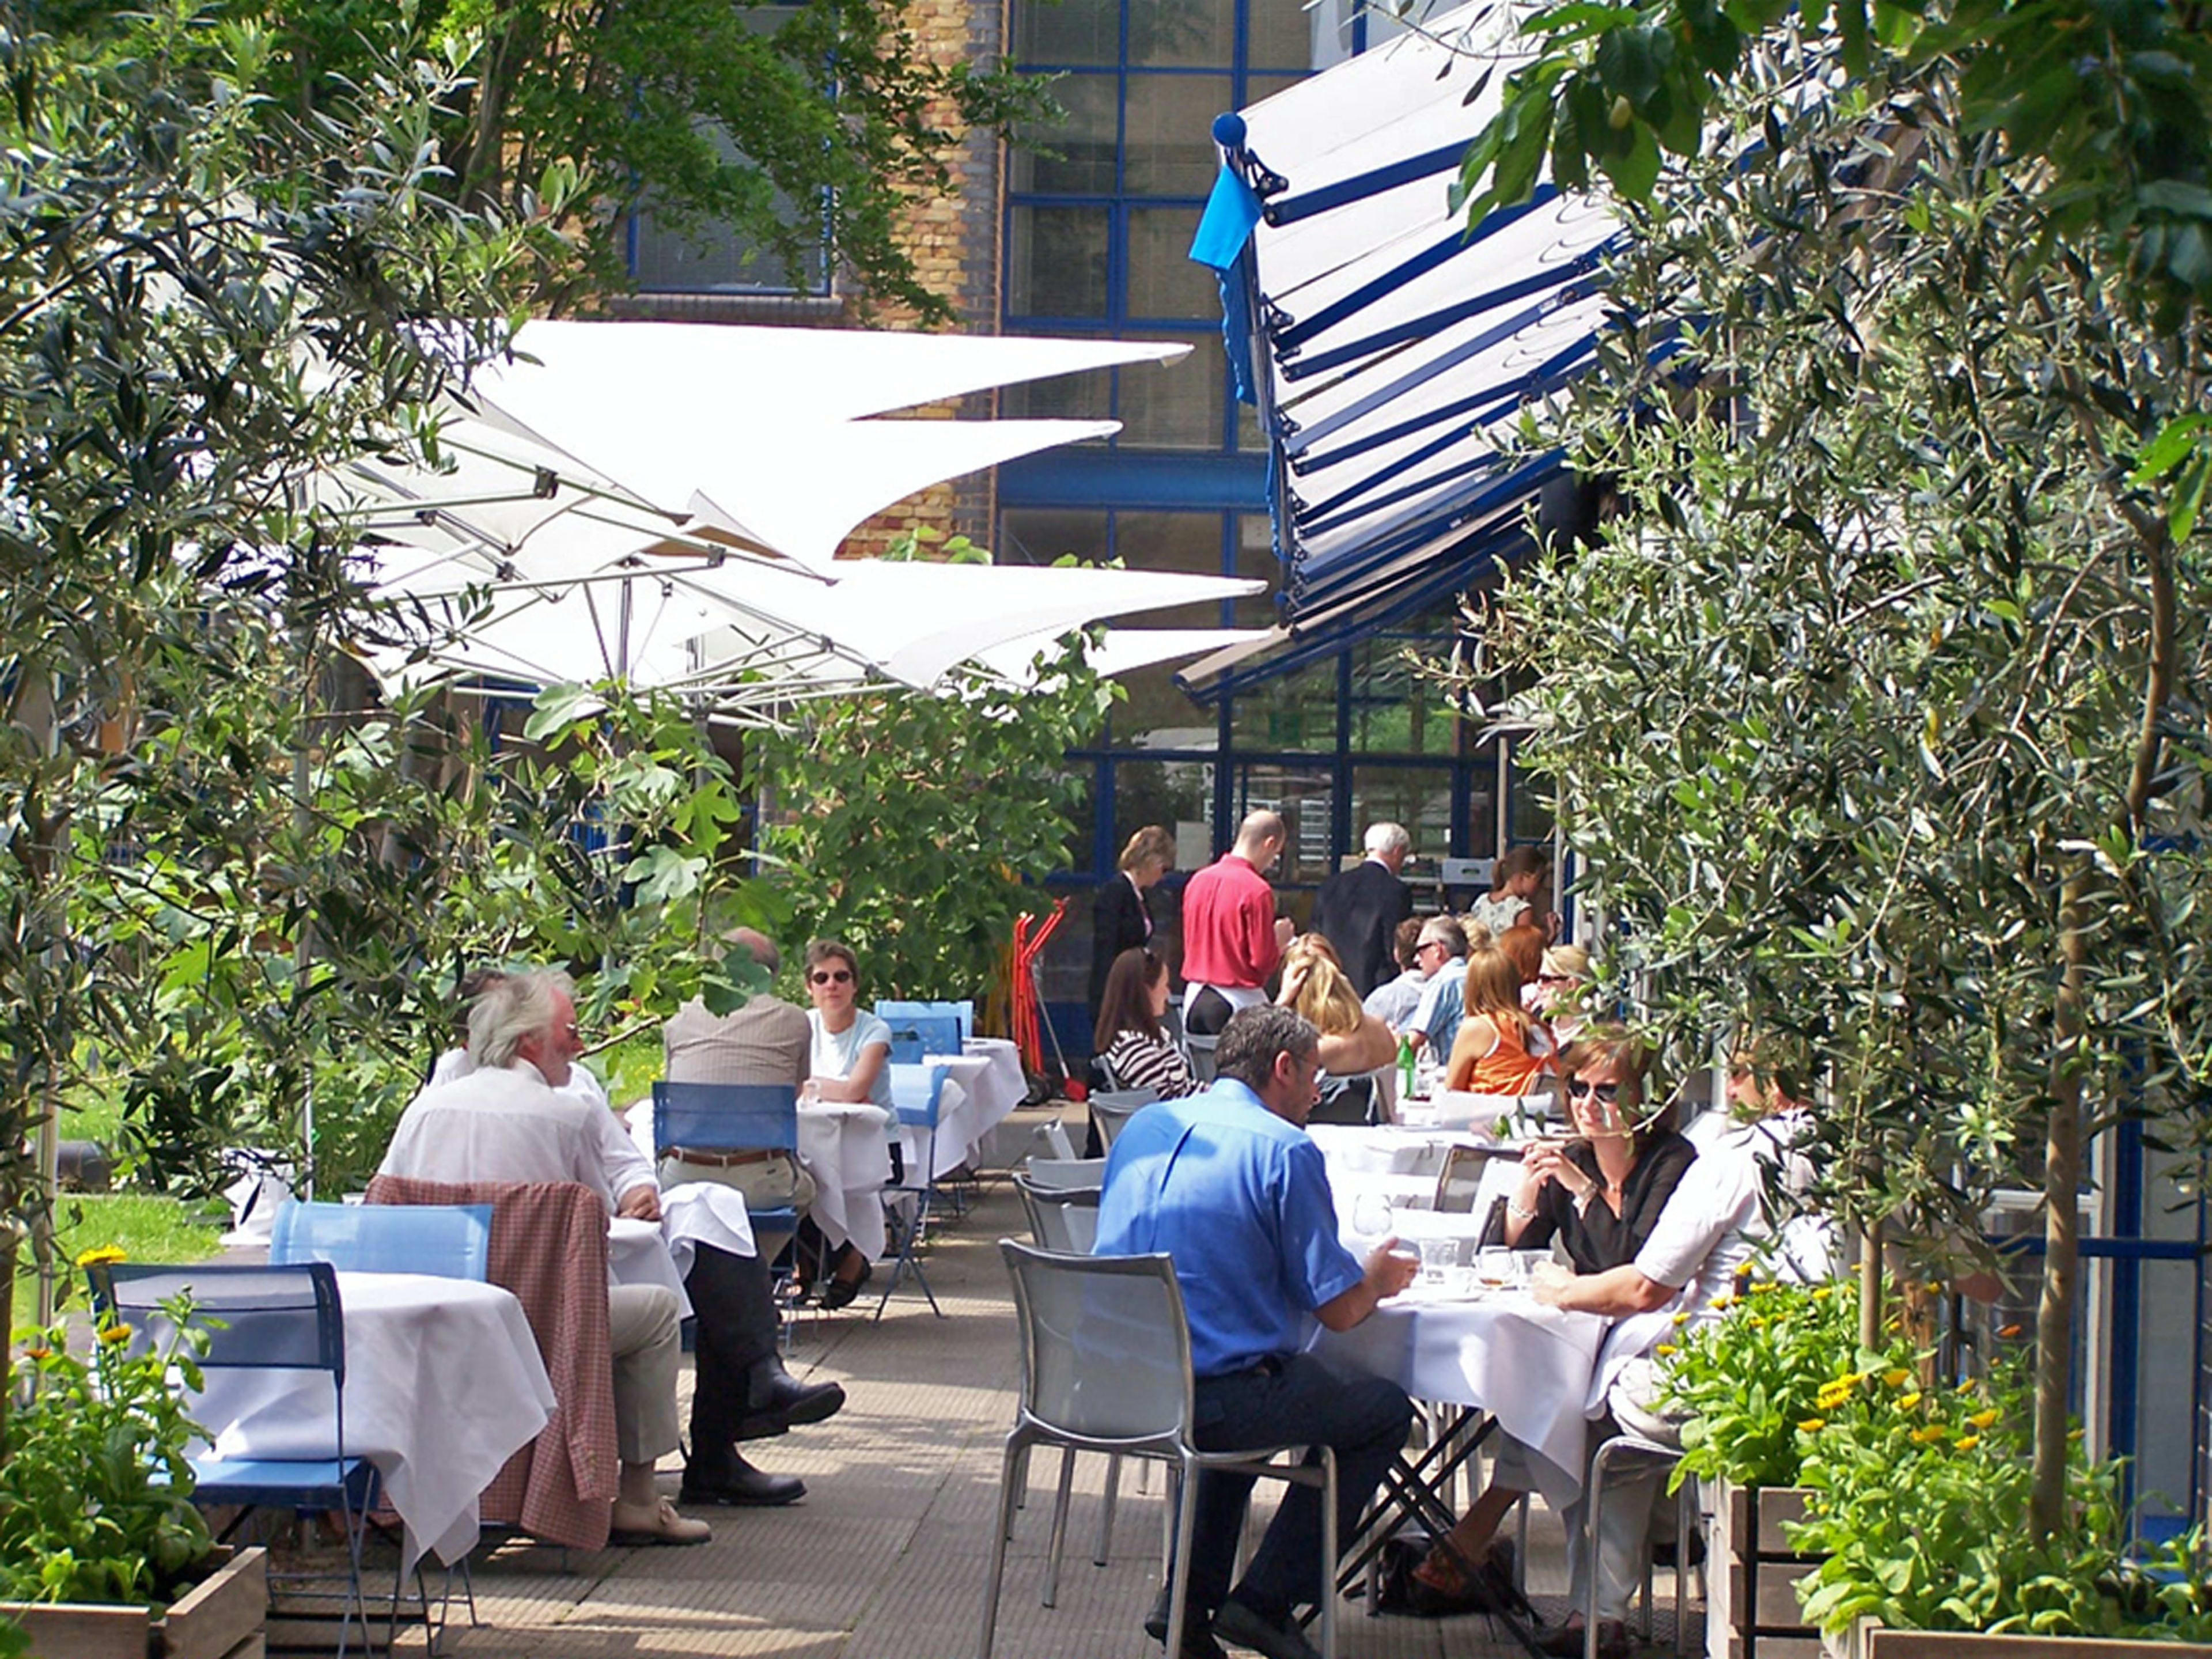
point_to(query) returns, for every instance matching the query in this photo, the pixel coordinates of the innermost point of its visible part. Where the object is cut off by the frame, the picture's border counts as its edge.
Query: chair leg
(1106, 1512)
(1059, 1524)
(1330, 1551)
(1012, 1473)
(1178, 1576)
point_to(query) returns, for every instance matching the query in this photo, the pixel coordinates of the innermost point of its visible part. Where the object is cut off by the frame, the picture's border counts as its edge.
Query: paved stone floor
(886, 1555)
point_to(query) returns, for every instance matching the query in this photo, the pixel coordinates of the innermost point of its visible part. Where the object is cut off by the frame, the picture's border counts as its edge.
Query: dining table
(443, 1384)
(983, 1084)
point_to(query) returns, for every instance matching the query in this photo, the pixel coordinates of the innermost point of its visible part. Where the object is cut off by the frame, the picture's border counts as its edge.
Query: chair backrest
(1054, 1133)
(283, 1318)
(447, 1240)
(725, 1117)
(1460, 1178)
(1061, 1219)
(918, 1035)
(1114, 1108)
(1116, 1083)
(915, 1092)
(1065, 1174)
(1105, 1350)
(1201, 1055)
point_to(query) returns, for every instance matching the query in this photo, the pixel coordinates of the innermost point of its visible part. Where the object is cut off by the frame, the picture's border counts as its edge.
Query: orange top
(1507, 1067)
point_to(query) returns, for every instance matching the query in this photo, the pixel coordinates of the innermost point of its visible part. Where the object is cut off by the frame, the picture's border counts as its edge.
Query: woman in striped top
(1130, 1038)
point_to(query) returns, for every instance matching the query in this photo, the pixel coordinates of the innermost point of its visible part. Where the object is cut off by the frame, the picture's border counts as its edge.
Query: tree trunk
(2062, 1182)
(1870, 1285)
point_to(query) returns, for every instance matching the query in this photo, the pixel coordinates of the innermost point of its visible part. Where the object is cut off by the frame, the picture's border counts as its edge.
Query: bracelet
(1519, 1212)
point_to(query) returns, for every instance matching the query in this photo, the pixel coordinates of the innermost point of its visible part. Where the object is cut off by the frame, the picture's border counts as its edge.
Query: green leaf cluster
(1748, 1380)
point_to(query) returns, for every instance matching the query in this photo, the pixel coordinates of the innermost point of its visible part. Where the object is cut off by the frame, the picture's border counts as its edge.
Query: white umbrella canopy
(758, 434)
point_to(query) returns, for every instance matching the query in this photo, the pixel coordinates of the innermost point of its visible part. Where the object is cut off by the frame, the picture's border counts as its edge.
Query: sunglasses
(1608, 1092)
(832, 976)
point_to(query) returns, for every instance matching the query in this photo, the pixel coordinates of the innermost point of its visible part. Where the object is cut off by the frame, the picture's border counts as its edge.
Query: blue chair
(916, 1094)
(263, 1319)
(445, 1241)
(733, 1117)
(915, 1037)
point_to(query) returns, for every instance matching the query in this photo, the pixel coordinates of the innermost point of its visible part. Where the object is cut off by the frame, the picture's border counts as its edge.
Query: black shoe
(775, 1401)
(738, 1484)
(1198, 1642)
(840, 1292)
(1242, 1626)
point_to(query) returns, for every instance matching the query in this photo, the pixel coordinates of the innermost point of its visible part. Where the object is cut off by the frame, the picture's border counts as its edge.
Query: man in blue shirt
(1229, 1184)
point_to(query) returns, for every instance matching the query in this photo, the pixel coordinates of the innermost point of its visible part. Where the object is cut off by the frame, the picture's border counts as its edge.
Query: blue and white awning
(1381, 341)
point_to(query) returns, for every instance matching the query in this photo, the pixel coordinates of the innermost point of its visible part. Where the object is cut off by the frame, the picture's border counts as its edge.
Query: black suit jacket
(1358, 911)
(1118, 923)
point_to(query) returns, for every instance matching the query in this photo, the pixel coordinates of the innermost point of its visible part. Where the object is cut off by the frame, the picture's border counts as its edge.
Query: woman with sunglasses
(851, 1060)
(1600, 1195)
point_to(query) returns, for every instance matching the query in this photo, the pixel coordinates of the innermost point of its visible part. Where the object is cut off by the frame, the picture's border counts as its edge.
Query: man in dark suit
(1357, 910)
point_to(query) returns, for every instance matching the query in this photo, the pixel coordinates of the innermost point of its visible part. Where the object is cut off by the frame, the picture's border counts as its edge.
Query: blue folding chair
(733, 1117)
(263, 1319)
(916, 1094)
(918, 1035)
(444, 1240)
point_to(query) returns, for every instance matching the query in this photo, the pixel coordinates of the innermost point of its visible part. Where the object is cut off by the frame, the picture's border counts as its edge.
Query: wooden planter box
(1752, 1574)
(221, 1617)
(1874, 1641)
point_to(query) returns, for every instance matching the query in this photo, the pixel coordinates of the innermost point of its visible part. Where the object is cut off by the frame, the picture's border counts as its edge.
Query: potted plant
(1918, 1512)
(1752, 1382)
(102, 1555)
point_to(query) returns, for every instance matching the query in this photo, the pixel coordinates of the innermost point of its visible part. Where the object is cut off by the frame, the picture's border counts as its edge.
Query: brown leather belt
(706, 1160)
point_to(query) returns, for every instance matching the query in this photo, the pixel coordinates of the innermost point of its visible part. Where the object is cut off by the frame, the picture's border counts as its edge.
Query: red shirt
(1228, 925)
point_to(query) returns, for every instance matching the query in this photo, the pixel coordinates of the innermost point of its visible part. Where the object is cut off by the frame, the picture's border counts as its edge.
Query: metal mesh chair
(263, 1319)
(1201, 1050)
(1640, 1454)
(447, 1240)
(1063, 1173)
(1106, 1368)
(1064, 1219)
(1112, 1108)
(916, 1037)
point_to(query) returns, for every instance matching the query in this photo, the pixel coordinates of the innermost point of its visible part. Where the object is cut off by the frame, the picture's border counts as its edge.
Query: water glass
(1439, 1256)
(1496, 1268)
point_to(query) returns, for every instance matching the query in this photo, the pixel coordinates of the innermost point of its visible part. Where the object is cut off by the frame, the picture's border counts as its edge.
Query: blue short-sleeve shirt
(1237, 1196)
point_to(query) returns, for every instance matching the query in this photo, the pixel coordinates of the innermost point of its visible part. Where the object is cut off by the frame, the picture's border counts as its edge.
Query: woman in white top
(851, 1060)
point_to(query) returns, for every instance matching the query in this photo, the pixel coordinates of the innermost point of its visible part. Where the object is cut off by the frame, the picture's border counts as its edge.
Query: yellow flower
(1681, 1319)
(2073, 1434)
(1831, 1394)
(1666, 1348)
(1898, 1377)
(1811, 1425)
(38, 1354)
(2009, 1331)
(1929, 1434)
(1967, 1442)
(1822, 1293)
(1763, 1287)
(116, 1332)
(99, 1256)
(1907, 1402)
(1757, 1323)
(1983, 1419)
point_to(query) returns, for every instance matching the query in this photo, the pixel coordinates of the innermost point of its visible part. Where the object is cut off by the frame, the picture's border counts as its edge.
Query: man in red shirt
(1232, 940)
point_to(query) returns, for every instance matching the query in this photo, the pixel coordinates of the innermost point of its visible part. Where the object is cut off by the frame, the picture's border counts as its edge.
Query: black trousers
(736, 1331)
(1208, 1012)
(1364, 1420)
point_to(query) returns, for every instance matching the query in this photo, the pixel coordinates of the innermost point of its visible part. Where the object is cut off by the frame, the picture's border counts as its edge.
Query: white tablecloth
(843, 1145)
(443, 1385)
(982, 1085)
(660, 1252)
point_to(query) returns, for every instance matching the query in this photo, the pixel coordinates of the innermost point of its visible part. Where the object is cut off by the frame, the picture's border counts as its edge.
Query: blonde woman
(1498, 1049)
(1353, 1041)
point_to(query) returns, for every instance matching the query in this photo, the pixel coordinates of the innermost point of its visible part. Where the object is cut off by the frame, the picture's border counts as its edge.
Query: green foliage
(1919, 1500)
(96, 1494)
(914, 827)
(1751, 1380)
(2103, 110)
(779, 123)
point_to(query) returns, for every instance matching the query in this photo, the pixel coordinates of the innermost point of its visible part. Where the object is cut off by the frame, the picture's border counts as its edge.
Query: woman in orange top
(1499, 1050)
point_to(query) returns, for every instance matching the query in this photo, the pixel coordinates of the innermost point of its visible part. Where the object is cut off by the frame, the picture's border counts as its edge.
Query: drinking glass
(1438, 1257)
(1496, 1267)
(1370, 1216)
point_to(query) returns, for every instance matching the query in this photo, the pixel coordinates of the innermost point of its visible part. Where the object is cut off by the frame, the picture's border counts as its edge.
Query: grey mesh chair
(1110, 1109)
(1062, 1173)
(1201, 1050)
(1637, 1453)
(1106, 1368)
(1061, 1218)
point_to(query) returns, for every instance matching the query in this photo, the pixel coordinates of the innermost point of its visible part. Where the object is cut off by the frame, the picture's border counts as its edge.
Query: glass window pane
(1530, 805)
(1085, 396)
(1057, 262)
(1082, 163)
(1303, 795)
(1067, 31)
(1170, 133)
(1175, 405)
(1292, 711)
(1032, 535)
(722, 259)
(1164, 281)
(1420, 798)
(1482, 804)
(1158, 713)
(1182, 34)
(1395, 711)
(1256, 560)
(1189, 542)
(1283, 33)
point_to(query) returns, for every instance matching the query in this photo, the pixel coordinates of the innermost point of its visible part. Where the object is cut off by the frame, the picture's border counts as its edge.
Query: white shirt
(1394, 998)
(506, 1123)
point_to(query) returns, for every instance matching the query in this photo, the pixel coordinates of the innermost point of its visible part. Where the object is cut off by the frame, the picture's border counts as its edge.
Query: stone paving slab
(885, 1557)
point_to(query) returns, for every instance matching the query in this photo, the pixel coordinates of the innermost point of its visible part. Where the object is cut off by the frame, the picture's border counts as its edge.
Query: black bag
(1489, 1583)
